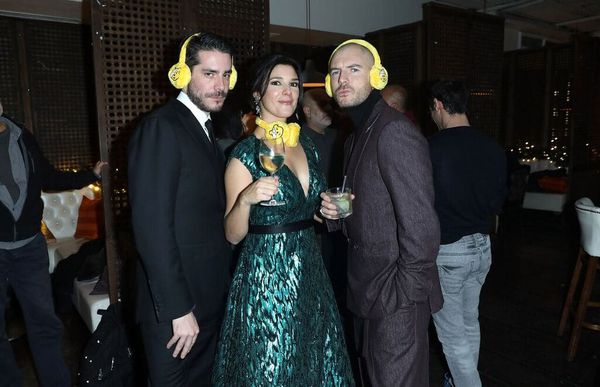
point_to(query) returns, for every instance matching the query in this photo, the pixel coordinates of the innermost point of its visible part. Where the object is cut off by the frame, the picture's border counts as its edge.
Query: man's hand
(98, 168)
(185, 332)
(328, 209)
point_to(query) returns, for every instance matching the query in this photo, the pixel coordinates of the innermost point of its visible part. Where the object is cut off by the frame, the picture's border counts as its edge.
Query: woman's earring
(257, 107)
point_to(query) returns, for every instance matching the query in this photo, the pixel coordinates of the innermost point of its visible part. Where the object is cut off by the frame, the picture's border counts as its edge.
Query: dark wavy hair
(262, 72)
(205, 42)
(453, 94)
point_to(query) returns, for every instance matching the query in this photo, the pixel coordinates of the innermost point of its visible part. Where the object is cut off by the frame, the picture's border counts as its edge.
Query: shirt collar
(200, 115)
(15, 130)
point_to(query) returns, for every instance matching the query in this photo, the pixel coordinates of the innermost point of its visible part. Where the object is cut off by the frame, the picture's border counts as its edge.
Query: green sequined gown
(282, 326)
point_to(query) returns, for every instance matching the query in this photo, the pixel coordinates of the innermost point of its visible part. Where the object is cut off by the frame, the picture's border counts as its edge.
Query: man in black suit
(393, 232)
(178, 203)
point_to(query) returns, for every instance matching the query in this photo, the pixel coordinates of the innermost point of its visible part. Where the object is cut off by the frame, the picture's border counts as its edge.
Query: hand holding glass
(342, 198)
(271, 156)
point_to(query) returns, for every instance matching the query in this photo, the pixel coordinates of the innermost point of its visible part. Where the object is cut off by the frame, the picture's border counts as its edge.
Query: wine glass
(271, 154)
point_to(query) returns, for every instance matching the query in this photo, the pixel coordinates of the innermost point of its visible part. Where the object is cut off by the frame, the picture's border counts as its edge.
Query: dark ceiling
(553, 19)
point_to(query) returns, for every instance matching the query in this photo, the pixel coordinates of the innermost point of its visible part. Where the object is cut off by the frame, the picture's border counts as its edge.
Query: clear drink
(342, 200)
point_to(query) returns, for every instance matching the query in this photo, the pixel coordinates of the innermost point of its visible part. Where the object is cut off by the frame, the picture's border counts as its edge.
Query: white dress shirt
(200, 115)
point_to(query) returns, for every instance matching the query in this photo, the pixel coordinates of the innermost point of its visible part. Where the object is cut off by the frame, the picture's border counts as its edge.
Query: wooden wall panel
(135, 43)
(467, 45)
(62, 100)
(402, 51)
(11, 96)
(47, 85)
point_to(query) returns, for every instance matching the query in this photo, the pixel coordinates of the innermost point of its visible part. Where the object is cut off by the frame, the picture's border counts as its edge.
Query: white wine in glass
(271, 156)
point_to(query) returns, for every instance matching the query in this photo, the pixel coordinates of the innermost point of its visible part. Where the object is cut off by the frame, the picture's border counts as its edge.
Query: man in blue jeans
(469, 174)
(24, 172)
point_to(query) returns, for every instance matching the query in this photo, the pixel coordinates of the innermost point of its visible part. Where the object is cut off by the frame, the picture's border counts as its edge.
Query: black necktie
(209, 129)
(211, 134)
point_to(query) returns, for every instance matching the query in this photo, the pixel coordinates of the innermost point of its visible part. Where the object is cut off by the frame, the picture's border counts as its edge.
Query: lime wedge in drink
(343, 205)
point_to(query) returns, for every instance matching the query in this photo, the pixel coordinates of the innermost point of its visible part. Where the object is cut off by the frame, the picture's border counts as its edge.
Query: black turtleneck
(359, 114)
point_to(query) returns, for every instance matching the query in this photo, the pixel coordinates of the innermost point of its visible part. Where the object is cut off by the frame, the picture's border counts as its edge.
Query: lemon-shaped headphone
(378, 75)
(180, 74)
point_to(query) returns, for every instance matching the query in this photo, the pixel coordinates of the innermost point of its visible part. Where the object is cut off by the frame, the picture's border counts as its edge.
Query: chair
(88, 304)
(61, 212)
(589, 220)
(61, 215)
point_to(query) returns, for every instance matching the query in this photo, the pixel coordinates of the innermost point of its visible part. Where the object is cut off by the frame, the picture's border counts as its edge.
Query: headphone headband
(183, 50)
(180, 74)
(378, 75)
(362, 43)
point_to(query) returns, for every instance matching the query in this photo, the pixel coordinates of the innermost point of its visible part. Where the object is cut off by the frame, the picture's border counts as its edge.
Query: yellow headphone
(279, 131)
(180, 74)
(378, 75)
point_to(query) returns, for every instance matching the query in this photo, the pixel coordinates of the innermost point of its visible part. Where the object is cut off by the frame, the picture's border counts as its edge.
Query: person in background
(393, 232)
(317, 111)
(24, 173)
(249, 123)
(469, 175)
(177, 201)
(228, 125)
(396, 96)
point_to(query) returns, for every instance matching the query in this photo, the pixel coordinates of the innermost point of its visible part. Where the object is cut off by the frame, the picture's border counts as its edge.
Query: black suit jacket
(393, 233)
(177, 199)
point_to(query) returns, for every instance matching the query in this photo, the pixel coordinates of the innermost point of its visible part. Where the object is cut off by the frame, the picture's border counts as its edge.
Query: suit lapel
(196, 131)
(358, 144)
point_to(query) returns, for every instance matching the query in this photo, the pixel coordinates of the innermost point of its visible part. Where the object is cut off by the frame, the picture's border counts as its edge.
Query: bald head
(316, 105)
(395, 97)
(315, 96)
(349, 69)
(356, 50)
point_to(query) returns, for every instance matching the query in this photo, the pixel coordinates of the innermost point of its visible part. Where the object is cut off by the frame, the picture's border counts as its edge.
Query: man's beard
(199, 100)
(356, 97)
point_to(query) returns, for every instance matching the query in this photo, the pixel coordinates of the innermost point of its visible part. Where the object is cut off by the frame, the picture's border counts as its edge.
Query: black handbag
(107, 359)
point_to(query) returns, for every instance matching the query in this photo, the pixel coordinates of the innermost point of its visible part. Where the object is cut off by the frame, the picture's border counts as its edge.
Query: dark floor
(534, 254)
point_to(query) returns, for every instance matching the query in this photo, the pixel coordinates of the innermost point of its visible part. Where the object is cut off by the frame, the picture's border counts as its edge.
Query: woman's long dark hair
(262, 72)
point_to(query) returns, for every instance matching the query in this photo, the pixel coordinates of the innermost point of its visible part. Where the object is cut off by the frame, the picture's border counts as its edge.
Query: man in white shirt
(178, 203)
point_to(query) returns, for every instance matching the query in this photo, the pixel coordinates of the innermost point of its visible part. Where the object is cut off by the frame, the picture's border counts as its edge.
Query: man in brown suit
(393, 233)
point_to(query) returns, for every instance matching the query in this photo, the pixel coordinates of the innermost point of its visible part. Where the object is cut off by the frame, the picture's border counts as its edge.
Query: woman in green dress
(281, 326)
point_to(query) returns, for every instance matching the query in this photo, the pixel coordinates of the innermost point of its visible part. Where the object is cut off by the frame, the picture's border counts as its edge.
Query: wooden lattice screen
(10, 73)
(47, 84)
(401, 50)
(135, 42)
(398, 47)
(60, 78)
(467, 45)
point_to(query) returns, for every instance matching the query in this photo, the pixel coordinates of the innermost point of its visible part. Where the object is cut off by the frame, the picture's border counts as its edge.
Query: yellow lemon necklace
(279, 131)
